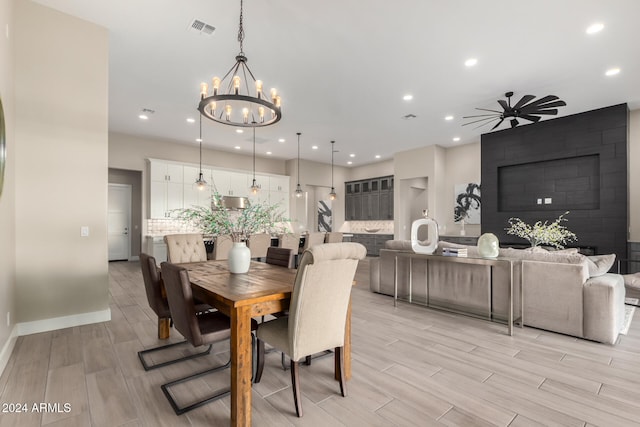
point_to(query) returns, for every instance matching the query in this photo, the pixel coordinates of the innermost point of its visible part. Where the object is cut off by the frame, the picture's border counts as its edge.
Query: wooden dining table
(265, 289)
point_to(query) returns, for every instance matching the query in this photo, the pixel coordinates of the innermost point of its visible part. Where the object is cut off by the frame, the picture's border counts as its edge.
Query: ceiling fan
(526, 109)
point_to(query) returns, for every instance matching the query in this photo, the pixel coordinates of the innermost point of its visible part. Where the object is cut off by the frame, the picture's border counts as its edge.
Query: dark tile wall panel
(584, 169)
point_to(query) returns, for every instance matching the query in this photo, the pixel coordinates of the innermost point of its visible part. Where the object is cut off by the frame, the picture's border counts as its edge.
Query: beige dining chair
(258, 244)
(289, 241)
(158, 302)
(198, 330)
(333, 237)
(221, 246)
(317, 312)
(311, 239)
(183, 248)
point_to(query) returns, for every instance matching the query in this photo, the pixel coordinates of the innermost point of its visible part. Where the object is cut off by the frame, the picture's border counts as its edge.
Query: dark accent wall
(578, 161)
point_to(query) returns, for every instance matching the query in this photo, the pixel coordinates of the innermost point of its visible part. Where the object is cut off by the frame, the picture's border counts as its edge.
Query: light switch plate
(539, 201)
(547, 200)
(84, 231)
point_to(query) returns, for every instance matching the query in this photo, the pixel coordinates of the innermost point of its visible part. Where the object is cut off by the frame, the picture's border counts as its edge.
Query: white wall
(61, 121)
(7, 198)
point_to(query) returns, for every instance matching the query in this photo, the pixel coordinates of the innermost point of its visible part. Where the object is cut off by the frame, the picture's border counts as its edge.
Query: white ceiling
(342, 67)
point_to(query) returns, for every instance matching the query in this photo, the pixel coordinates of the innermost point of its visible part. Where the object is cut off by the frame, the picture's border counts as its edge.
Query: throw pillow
(600, 264)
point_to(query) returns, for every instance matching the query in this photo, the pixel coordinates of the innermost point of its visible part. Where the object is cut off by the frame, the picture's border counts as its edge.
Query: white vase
(488, 245)
(239, 258)
(432, 235)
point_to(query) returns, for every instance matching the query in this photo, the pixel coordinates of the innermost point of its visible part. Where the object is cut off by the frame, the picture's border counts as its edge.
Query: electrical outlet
(84, 231)
(547, 200)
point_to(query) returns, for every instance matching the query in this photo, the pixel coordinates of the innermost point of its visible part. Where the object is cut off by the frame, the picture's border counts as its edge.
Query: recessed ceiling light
(470, 62)
(377, 156)
(448, 118)
(595, 28)
(239, 131)
(352, 155)
(191, 120)
(407, 97)
(612, 71)
(281, 140)
(143, 117)
(198, 140)
(314, 147)
(456, 139)
(349, 162)
(237, 147)
(269, 153)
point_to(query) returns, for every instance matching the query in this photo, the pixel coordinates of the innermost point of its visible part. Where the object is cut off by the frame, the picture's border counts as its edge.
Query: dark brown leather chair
(199, 330)
(281, 256)
(157, 301)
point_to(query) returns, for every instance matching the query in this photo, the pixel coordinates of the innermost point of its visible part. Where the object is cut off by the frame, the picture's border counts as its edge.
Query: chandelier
(238, 98)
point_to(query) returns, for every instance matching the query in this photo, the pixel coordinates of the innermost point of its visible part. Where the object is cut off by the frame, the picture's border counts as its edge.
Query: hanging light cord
(298, 156)
(241, 30)
(254, 156)
(200, 147)
(332, 151)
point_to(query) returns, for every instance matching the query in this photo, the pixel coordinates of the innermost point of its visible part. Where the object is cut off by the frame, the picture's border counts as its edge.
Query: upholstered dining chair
(221, 246)
(333, 237)
(198, 330)
(258, 244)
(158, 303)
(312, 239)
(317, 312)
(289, 241)
(183, 248)
(280, 256)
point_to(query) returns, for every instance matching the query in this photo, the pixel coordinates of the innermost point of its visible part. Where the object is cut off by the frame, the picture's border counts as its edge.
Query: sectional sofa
(562, 291)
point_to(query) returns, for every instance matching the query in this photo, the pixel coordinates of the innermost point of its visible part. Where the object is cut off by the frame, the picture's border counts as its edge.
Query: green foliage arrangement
(542, 233)
(216, 221)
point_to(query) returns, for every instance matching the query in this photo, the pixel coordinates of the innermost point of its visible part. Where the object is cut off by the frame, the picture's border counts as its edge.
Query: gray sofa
(564, 292)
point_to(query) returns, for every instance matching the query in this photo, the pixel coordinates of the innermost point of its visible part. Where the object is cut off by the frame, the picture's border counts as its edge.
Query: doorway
(119, 221)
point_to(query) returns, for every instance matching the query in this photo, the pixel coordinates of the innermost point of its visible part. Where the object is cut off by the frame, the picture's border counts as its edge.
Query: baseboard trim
(45, 325)
(7, 349)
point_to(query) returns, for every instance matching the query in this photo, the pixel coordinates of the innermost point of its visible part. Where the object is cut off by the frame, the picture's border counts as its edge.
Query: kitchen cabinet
(369, 199)
(166, 188)
(230, 183)
(372, 242)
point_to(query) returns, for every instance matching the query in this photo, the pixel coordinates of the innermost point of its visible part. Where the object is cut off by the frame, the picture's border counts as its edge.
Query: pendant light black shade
(201, 183)
(332, 193)
(299, 191)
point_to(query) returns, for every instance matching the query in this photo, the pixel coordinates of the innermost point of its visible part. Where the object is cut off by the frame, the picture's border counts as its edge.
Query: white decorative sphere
(488, 245)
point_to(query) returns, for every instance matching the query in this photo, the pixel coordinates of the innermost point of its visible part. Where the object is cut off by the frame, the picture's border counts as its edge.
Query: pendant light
(254, 186)
(200, 183)
(332, 193)
(299, 191)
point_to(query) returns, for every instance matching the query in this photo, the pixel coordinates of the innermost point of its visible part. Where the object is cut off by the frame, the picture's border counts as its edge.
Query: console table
(491, 262)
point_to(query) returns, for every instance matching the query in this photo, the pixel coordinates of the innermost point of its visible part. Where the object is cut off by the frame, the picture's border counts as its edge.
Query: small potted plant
(542, 233)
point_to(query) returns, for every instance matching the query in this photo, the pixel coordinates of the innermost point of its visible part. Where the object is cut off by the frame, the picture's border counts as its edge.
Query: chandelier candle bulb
(274, 94)
(227, 110)
(278, 101)
(215, 85)
(259, 88)
(261, 114)
(236, 84)
(212, 107)
(203, 89)
(245, 115)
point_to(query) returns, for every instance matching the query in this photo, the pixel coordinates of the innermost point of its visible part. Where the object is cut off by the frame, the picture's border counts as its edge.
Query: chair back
(333, 237)
(258, 244)
(320, 298)
(290, 241)
(185, 248)
(153, 285)
(312, 239)
(180, 298)
(281, 256)
(221, 247)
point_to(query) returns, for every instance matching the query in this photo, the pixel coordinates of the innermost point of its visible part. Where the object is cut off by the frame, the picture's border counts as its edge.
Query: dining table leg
(241, 366)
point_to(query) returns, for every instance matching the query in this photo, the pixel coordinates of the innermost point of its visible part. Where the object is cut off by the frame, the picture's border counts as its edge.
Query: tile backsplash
(161, 227)
(377, 227)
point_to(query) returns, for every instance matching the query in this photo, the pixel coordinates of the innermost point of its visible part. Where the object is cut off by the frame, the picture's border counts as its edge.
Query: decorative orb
(488, 245)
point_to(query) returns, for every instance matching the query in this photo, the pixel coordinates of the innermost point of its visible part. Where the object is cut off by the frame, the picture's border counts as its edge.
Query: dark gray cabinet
(369, 199)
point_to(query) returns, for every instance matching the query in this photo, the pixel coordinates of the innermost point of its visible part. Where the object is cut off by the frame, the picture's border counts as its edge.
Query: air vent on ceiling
(409, 116)
(203, 28)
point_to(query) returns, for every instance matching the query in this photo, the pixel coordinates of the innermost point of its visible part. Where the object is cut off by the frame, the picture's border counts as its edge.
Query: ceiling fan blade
(529, 108)
(551, 112)
(514, 123)
(498, 124)
(493, 111)
(484, 124)
(523, 101)
(529, 117)
(481, 120)
(504, 104)
(481, 115)
(542, 100)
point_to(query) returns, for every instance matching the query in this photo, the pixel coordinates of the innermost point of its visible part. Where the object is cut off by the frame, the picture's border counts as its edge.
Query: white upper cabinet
(166, 188)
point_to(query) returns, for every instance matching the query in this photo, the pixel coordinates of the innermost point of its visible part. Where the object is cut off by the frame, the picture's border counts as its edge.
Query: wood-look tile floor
(412, 366)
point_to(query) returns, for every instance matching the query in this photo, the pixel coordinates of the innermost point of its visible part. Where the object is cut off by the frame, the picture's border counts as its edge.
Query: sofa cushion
(398, 245)
(600, 264)
(544, 256)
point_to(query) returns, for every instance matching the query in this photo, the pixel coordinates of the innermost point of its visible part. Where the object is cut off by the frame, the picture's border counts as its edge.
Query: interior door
(119, 221)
